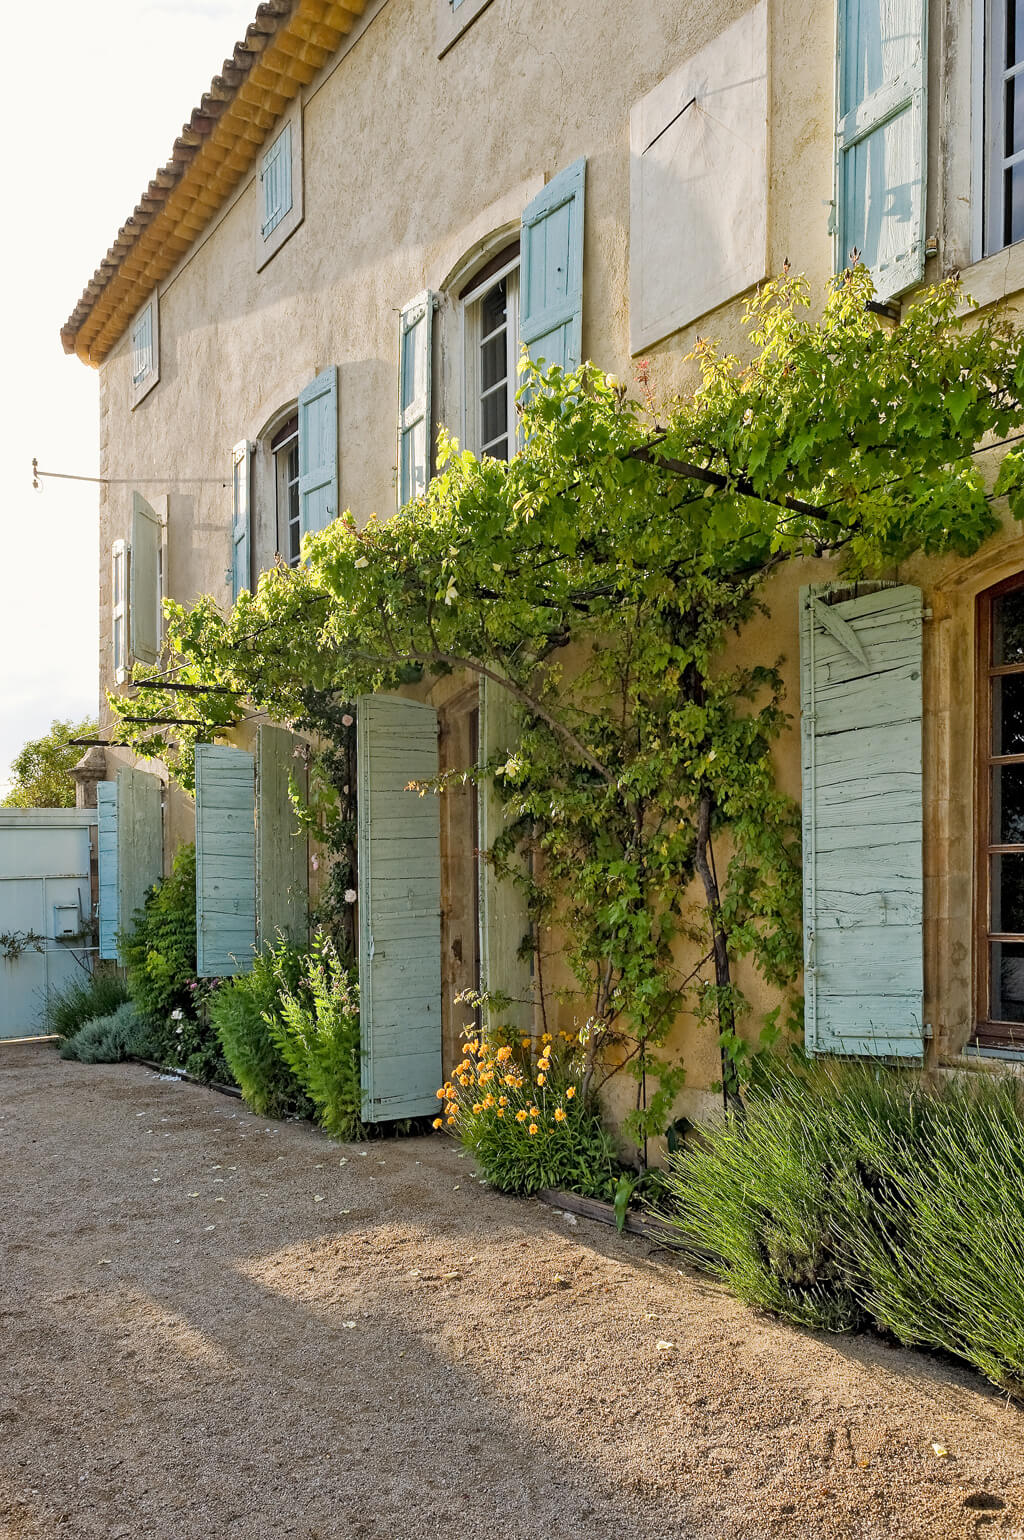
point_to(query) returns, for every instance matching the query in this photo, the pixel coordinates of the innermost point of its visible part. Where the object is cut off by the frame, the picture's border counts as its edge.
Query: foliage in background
(40, 771)
(599, 577)
(851, 1195)
(109, 1039)
(316, 1028)
(530, 1125)
(70, 1006)
(240, 1012)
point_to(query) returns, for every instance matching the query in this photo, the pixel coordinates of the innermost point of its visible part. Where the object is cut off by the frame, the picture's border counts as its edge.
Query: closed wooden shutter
(276, 180)
(860, 662)
(415, 361)
(504, 921)
(399, 853)
(282, 861)
(106, 855)
(140, 841)
(145, 581)
(881, 139)
(551, 289)
(318, 452)
(225, 860)
(241, 559)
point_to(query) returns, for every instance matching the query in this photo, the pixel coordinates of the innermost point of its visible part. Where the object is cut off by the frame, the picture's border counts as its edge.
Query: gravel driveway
(212, 1326)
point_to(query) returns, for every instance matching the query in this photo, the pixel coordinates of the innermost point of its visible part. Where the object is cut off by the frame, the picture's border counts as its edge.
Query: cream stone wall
(413, 168)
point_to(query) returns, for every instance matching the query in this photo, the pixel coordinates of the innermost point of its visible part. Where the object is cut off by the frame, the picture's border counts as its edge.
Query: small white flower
(315, 863)
(177, 1015)
(346, 721)
(179, 1030)
(362, 561)
(350, 895)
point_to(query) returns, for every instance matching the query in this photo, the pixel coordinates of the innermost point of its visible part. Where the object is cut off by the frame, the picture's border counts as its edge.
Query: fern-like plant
(317, 1032)
(239, 1012)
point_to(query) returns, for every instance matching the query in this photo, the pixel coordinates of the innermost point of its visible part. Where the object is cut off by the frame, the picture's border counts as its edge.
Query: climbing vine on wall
(599, 578)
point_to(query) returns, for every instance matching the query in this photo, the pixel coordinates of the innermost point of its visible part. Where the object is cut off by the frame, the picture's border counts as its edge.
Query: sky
(97, 108)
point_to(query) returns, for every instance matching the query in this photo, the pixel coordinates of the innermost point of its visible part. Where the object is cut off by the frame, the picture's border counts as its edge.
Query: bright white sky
(95, 98)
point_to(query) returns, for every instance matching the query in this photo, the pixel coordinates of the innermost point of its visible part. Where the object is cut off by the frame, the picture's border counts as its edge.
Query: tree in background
(42, 770)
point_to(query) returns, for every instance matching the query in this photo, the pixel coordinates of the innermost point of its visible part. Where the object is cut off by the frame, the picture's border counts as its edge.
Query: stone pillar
(92, 767)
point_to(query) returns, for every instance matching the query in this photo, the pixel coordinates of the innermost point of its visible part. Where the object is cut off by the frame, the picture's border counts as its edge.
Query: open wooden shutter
(504, 921)
(282, 863)
(860, 663)
(145, 581)
(399, 908)
(551, 286)
(120, 608)
(880, 139)
(225, 860)
(276, 180)
(415, 350)
(106, 854)
(140, 839)
(318, 452)
(241, 475)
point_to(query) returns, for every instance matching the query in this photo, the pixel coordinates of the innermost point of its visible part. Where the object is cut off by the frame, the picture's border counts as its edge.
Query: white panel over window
(699, 183)
(119, 609)
(414, 370)
(147, 536)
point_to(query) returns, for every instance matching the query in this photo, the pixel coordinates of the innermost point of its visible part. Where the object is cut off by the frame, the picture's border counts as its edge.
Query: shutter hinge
(927, 613)
(926, 1030)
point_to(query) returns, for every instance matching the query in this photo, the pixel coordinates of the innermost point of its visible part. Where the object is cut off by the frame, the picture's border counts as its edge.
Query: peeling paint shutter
(282, 869)
(106, 852)
(241, 474)
(551, 289)
(415, 350)
(860, 665)
(504, 921)
(225, 860)
(145, 581)
(399, 908)
(880, 139)
(318, 452)
(276, 179)
(140, 839)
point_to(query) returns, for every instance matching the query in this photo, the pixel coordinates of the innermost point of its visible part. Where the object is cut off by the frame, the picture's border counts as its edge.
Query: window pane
(1008, 628)
(493, 309)
(1008, 804)
(1013, 209)
(1008, 714)
(1008, 894)
(1014, 128)
(494, 419)
(1007, 1002)
(493, 361)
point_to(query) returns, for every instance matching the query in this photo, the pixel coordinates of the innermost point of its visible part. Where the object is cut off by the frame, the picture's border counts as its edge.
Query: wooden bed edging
(648, 1225)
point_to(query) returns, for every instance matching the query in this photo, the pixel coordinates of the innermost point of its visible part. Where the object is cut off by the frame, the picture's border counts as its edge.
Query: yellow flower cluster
(487, 1071)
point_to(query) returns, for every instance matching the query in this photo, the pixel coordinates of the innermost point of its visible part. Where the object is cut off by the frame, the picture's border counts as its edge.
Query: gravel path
(211, 1326)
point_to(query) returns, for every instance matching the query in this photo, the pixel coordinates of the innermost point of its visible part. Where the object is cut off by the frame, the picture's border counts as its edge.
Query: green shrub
(853, 1195)
(108, 1039)
(317, 1032)
(80, 1000)
(160, 949)
(238, 1013)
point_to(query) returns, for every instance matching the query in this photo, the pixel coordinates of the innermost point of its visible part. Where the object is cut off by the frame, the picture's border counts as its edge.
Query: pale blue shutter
(282, 860)
(145, 581)
(225, 860)
(880, 139)
(241, 476)
(415, 363)
(142, 345)
(399, 857)
(860, 662)
(551, 279)
(140, 843)
(504, 920)
(276, 180)
(106, 855)
(318, 452)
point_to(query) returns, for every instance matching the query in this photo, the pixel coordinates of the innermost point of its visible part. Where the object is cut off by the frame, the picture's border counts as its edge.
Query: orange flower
(541, 1079)
(440, 1094)
(524, 1042)
(544, 1065)
(535, 1112)
(451, 1120)
(472, 1047)
(438, 1122)
(547, 1038)
(502, 1101)
(499, 1113)
(520, 1117)
(533, 1128)
(463, 1080)
(503, 1054)
(477, 1108)
(559, 1114)
(570, 1093)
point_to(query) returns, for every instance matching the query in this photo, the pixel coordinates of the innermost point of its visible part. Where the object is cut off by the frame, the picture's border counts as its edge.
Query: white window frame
(453, 17)
(283, 484)
(995, 77)
(119, 601)
(144, 370)
(268, 245)
(471, 340)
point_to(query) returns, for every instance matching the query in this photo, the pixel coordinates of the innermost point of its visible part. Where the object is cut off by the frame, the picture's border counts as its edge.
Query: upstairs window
(284, 447)
(145, 351)
(1004, 104)
(491, 319)
(276, 181)
(279, 205)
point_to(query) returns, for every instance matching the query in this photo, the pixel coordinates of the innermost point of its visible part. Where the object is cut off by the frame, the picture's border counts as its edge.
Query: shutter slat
(225, 860)
(862, 816)
(318, 452)
(551, 290)
(399, 916)
(282, 865)
(415, 365)
(145, 581)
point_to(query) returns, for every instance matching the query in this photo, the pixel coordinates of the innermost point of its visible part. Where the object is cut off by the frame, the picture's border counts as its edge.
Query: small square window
(279, 186)
(145, 350)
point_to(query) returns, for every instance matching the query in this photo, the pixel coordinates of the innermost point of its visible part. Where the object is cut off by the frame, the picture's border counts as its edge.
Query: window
(145, 351)
(1001, 815)
(491, 343)
(284, 447)
(280, 187)
(276, 181)
(453, 17)
(1004, 104)
(119, 609)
